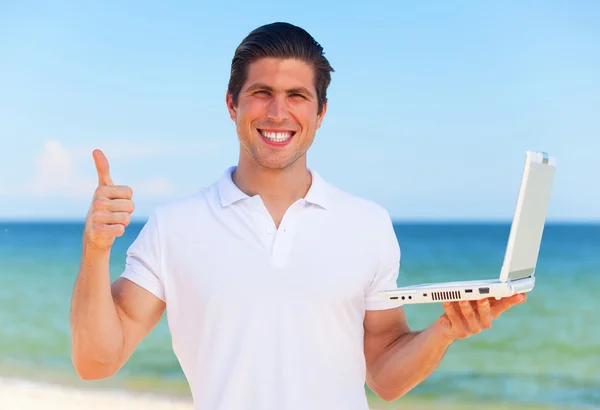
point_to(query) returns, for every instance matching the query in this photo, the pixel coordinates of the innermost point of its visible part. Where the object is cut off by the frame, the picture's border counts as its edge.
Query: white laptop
(517, 274)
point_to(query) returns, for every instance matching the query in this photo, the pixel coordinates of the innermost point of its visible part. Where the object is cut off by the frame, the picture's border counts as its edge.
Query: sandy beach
(26, 395)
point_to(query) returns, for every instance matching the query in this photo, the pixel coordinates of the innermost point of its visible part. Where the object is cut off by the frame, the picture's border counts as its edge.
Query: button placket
(264, 223)
(284, 237)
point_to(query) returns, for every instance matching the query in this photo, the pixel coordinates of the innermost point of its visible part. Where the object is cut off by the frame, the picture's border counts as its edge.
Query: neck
(277, 187)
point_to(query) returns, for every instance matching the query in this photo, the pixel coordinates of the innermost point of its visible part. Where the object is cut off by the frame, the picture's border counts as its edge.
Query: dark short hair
(280, 40)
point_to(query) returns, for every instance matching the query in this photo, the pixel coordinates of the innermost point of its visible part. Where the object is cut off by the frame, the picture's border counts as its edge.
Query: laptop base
(457, 291)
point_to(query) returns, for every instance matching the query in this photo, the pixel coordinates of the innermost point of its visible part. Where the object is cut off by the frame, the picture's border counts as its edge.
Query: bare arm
(107, 321)
(398, 359)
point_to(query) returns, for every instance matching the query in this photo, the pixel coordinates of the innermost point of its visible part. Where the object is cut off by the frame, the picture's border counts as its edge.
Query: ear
(320, 116)
(231, 106)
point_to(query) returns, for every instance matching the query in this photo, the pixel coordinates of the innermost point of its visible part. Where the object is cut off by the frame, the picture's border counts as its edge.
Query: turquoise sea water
(546, 351)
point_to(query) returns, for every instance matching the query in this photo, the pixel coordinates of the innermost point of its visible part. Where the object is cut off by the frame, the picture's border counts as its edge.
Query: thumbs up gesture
(111, 208)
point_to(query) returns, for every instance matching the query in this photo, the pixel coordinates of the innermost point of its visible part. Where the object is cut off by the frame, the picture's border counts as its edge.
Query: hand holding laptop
(467, 318)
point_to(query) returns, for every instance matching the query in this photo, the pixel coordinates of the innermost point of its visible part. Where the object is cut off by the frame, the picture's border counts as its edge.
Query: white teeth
(277, 136)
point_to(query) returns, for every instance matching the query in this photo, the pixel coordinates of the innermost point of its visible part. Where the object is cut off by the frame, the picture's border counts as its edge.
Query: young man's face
(276, 115)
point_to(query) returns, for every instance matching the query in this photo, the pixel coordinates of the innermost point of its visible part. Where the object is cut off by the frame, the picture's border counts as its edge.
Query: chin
(276, 164)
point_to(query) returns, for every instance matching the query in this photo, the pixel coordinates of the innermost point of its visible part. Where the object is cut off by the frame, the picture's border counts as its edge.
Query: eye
(261, 92)
(296, 95)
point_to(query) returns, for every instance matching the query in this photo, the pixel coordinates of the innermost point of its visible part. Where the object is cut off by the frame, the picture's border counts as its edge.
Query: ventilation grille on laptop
(446, 295)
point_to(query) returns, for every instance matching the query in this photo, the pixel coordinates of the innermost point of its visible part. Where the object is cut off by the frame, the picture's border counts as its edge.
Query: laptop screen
(530, 217)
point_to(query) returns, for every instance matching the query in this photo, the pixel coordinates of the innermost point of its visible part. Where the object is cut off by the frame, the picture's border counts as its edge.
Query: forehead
(280, 73)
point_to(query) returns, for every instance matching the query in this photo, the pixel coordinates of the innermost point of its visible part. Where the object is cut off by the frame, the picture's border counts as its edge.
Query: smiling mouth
(277, 136)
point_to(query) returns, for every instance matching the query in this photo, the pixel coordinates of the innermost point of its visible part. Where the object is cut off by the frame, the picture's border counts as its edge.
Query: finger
(104, 217)
(457, 324)
(114, 192)
(102, 168)
(511, 300)
(498, 307)
(519, 298)
(502, 305)
(485, 313)
(470, 317)
(109, 230)
(113, 205)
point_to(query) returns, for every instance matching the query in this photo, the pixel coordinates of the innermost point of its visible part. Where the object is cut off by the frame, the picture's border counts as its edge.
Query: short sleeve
(388, 267)
(142, 265)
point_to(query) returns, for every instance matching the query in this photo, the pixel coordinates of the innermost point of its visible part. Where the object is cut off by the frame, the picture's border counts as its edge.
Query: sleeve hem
(149, 285)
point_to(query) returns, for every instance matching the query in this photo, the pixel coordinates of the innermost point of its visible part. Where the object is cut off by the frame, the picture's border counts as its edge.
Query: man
(270, 276)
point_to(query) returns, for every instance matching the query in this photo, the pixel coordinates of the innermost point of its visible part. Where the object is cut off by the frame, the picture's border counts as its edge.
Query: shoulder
(363, 219)
(370, 221)
(360, 208)
(185, 207)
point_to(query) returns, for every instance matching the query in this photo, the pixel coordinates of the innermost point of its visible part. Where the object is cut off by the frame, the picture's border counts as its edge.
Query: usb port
(468, 290)
(394, 297)
(484, 291)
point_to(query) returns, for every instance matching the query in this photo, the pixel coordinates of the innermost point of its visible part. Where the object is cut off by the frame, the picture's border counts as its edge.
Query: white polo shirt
(264, 318)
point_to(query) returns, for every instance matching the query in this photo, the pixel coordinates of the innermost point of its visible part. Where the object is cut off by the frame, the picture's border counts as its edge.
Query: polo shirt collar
(228, 191)
(319, 193)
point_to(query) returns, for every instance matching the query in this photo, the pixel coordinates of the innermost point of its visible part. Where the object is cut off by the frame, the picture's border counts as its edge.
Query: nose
(277, 110)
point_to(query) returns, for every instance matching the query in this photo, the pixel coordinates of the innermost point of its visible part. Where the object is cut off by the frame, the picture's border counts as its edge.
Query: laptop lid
(527, 227)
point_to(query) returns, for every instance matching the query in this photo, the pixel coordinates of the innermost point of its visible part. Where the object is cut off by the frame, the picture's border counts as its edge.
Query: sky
(432, 104)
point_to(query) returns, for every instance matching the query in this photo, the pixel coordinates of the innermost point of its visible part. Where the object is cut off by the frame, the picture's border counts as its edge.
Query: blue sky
(432, 105)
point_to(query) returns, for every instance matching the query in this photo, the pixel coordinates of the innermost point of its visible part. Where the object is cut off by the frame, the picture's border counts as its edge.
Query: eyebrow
(261, 86)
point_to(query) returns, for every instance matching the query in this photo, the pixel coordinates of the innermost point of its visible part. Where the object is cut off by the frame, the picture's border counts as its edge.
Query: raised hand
(111, 208)
(464, 319)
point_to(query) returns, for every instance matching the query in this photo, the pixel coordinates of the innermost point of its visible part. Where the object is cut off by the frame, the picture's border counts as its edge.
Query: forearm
(96, 328)
(408, 361)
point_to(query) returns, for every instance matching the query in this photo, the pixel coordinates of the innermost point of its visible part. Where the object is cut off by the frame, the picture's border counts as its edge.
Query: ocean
(544, 352)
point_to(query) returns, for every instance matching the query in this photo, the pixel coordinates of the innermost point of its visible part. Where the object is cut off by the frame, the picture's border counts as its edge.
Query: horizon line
(431, 220)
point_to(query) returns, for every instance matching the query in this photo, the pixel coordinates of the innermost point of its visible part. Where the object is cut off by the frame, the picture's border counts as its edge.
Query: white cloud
(56, 174)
